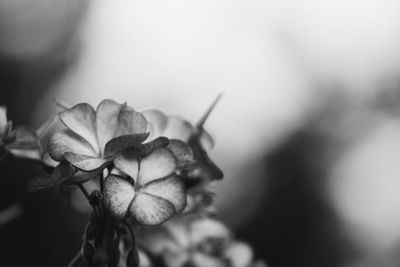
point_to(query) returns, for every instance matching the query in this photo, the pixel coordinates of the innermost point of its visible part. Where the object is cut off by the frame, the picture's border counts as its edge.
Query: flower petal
(67, 141)
(201, 230)
(129, 166)
(61, 173)
(123, 142)
(3, 119)
(84, 162)
(81, 119)
(181, 151)
(25, 138)
(156, 122)
(151, 210)
(171, 189)
(118, 194)
(159, 164)
(202, 260)
(239, 254)
(130, 122)
(107, 121)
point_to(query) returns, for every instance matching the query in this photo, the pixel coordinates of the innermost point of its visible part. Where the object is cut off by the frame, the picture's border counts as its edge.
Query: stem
(76, 261)
(84, 191)
(101, 183)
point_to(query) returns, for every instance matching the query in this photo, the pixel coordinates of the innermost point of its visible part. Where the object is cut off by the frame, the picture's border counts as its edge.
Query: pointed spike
(203, 119)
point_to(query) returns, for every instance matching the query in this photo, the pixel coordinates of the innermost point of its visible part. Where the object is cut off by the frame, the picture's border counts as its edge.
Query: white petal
(201, 230)
(151, 210)
(171, 189)
(203, 260)
(130, 122)
(159, 164)
(156, 122)
(81, 119)
(67, 141)
(118, 194)
(107, 121)
(83, 162)
(239, 254)
(129, 166)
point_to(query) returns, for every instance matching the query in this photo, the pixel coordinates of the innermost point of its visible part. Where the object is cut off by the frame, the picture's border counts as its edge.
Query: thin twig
(76, 260)
(205, 116)
(84, 191)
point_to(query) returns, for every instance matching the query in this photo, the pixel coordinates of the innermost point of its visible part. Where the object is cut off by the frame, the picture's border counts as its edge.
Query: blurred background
(307, 132)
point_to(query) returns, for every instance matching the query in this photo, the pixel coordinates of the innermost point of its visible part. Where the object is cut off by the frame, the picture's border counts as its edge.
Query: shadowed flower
(21, 141)
(198, 243)
(94, 137)
(150, 193)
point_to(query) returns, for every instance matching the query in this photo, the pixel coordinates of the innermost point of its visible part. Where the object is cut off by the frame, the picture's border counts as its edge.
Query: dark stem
(101, 183)
(84, 191)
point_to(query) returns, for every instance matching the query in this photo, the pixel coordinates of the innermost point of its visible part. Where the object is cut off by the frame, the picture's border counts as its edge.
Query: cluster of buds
(152, 170)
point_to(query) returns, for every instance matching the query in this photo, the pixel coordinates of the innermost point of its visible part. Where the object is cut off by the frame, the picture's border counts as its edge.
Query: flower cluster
(203, 242)
(149, 166)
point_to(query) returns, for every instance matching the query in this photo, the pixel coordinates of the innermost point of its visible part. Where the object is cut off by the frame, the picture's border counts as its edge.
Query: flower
(151, 193)
(190, 144)
(94, 137)
(21, 141)
(201, 242)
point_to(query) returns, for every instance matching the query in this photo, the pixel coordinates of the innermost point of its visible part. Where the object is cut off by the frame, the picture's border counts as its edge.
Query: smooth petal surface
(151, 210)
(67, 141)
(25, 138)
(159, 164)
(130, 122)
(3, 119)
(129, 166)
(239, 254)
(203, 260)
(83, 162)
(201, 230)
(107, 114)
(81, 119)
(156, 122)
(118, 194)
(171, 189)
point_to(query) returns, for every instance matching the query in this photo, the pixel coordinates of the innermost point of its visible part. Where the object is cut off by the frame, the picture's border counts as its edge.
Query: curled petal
(81, 119)
(118, 194)
(239, 254)
(123, 142)
(83, 176)
(156, 122)
(151, 210)
(130, 122)
(67, 141)
(84, 162)
(159, 164)
(107, 120)
(129, 166)
(171, 189)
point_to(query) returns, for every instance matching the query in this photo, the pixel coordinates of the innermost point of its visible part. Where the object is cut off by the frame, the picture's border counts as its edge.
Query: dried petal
(119, 194)
(171, 189)
(151, 210)
(123, 142)
(81, 119)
